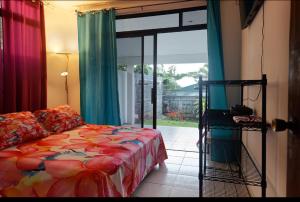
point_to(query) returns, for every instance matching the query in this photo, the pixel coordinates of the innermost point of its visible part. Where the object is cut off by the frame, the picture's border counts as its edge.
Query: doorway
(162, 55)
(181, 59)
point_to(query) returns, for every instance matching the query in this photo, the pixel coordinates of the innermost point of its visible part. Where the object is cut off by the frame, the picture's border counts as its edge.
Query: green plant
(196, 107)
(122, 67)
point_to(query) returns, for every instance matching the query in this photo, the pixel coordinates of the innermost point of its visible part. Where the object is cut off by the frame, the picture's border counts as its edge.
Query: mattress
(89, 161)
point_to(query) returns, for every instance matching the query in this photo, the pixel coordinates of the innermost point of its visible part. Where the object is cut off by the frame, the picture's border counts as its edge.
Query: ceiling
(72, 5)
(85, 5)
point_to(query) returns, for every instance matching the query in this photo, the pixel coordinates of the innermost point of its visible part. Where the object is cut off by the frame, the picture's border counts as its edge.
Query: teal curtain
(99, 100)
(215, 55)
(218, 99)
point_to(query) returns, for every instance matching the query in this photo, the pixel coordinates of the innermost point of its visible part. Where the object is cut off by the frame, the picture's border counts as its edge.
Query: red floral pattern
(20, 127)
(92, 160)
(59, 119)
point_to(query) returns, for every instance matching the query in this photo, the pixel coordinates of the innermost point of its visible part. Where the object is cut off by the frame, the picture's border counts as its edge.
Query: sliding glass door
(137, 81)
(158, 54)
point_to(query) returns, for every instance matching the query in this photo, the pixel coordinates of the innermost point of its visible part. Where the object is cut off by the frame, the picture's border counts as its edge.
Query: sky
(184, 68)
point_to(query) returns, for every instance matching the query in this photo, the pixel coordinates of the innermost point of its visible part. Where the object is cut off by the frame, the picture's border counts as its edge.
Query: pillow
(19, 127)
(59, 119)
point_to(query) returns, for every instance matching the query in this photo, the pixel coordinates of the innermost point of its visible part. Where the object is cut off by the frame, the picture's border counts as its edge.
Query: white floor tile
(182, 192)
(178, 146)
(161, 178)
(152, 190)
(189, 170)
(176, 153)
(168, 168)
(174, 160)
(193, 148)
(190, 162)
(184, 141)
(168, 143)
(188, 182)
(192, 155)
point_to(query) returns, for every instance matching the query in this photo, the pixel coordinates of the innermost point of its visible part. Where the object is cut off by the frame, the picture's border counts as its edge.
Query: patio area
(180, 138)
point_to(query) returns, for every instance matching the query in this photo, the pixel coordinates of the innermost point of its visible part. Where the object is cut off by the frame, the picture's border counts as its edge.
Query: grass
(161, 122)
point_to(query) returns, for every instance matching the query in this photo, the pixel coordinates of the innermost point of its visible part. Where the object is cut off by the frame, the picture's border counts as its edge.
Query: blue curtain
(215, 55)
(218, 99)
(99, 100)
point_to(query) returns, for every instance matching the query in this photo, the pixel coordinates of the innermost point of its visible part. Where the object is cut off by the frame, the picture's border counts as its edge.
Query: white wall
(56, 94)
(61, 36)
(275, 65)
(231, 35)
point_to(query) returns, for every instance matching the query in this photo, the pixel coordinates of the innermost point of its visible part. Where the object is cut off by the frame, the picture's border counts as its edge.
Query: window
(151, 22)
(165, 21)
(194, 18)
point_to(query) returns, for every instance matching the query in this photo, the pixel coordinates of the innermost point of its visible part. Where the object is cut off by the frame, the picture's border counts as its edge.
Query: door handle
(281, 125)
(152, 95)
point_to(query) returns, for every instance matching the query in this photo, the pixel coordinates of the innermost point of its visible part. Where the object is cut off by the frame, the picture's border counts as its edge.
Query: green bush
(196, 107)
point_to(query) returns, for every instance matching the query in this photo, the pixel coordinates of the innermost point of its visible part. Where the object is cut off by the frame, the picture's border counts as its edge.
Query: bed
(90, 160)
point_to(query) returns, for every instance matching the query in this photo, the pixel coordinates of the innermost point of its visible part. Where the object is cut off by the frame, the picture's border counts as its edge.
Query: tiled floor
(180, 138)
(178, 176)
(175, 178)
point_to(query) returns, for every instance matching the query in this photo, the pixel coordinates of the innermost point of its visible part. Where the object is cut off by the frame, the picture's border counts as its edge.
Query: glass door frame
(154, 33)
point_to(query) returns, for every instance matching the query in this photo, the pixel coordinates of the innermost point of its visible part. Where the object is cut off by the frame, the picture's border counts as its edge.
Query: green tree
(148, 70)
(204, 71)
(168, 77)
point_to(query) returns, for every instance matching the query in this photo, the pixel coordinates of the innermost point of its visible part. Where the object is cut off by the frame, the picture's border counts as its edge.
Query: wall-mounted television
(248, 11)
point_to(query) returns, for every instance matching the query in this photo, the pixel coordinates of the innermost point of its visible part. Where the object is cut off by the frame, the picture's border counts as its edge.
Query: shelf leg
(240, 153)
(241, 134)
(200, 167)
(264, 137)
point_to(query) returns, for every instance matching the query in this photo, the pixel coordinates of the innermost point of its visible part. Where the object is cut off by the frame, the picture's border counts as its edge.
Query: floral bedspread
(92, 160)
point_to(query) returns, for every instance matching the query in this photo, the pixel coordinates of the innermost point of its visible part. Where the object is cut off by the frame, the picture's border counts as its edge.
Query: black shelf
(228, 160)
(229, 170)
(222, 119)
(219, 189)
(234, 82)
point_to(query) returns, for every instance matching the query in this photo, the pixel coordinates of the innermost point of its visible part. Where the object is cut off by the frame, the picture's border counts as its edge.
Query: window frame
(146, 32)
(154, 33)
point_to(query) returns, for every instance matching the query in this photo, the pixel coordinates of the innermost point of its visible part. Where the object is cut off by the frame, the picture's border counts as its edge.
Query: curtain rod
(158, 4)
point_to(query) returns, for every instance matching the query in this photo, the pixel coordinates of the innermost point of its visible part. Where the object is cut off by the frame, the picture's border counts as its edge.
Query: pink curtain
(23, 65)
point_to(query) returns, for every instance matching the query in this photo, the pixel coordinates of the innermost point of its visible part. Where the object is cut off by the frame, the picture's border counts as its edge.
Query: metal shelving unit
(237, 165)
